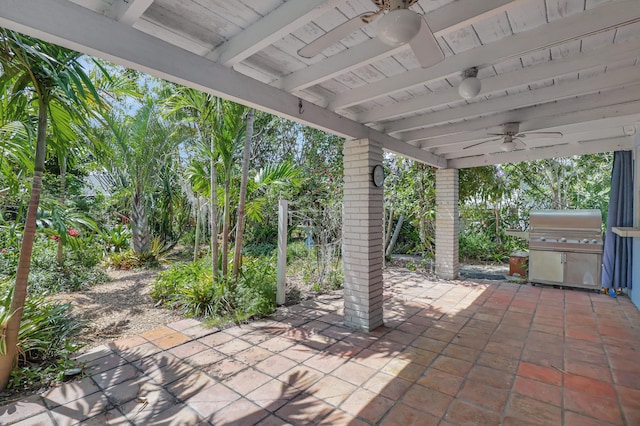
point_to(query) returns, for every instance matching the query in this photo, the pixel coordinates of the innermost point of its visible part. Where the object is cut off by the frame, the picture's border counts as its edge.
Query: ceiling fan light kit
(470, 85)
(398, 27)
(508, 146)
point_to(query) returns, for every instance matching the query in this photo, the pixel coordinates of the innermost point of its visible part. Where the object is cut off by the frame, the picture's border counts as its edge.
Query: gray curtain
(616, 260)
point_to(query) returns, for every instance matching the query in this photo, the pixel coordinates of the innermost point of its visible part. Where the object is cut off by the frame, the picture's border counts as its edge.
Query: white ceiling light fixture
(470, 85)
(508, 145)
(398, 27)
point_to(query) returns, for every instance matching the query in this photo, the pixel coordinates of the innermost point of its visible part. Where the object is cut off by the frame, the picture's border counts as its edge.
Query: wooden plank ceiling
(568, 66)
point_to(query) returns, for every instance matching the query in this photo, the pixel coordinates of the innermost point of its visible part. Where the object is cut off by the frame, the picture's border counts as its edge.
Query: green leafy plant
(115, 239)
(188, 287)
(45, 339)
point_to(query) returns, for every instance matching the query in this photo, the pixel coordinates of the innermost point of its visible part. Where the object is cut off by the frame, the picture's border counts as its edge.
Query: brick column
(362, 236)
(447, 227)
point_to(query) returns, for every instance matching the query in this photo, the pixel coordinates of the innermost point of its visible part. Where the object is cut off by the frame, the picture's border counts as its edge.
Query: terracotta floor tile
(171, 340)
(331, 390)
(486, 396)
(127, 343)
(344, 350)
(387, 385)
(247, 381)
(589, 386)
(187, 349)
(253, 355)
(198, 331)
(427, 400)
(461, 352)
(367, 405)
(439, 334)
(354, 373)
(273, 395)
(403, 415)
(575, 419)
(629, 397)
(137, 352)
(594, 371)
(441, 381)
(498, 362)
(429, 344)
(526, 408)
(418, 356)
(301, 377)
(276, 344)
(404, 368)
(542, 358)
(79, 410)
(298, 353)
(503, 350)
(543, 374)
(340, 418)
(631, 415)
(233, 347)
(627, 378)
(275, 365)
(156, 333)
(372, 359)
(325, 362)
(602, 408)
(216, 339)
(452, 365)
(491, 377)
(23, 409)
(239, 413)
(212, 399)
(581, 355)
(223, 369)
(304, 410)
(59, 395)
(205, 358)
(538, 390)
(462, 413)
(189, 385)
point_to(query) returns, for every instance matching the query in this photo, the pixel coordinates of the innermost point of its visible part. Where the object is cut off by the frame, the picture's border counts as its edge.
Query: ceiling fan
(397, 25)
(510, 135)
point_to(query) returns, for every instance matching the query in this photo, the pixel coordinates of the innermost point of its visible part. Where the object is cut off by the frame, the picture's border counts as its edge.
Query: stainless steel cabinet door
(583, 269)
(546, 267)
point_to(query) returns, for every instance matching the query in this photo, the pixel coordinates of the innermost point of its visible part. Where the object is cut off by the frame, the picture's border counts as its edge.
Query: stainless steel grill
(565, 247)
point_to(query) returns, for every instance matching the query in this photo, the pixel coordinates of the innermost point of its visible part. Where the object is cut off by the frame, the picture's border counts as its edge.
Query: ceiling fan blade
(332, 37)
(426, 47)
(497, 134)
(480, 143)
(556, 135)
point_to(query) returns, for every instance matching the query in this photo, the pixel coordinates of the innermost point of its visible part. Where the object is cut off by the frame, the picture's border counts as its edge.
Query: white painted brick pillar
(362, 236)
(447, 227)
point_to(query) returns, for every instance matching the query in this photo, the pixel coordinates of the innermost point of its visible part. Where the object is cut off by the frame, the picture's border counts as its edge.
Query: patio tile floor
(450, 353)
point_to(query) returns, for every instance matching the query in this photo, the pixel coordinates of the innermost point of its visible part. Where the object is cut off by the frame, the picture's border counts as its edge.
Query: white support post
(362, 251)
(447, 229)
(282, 252)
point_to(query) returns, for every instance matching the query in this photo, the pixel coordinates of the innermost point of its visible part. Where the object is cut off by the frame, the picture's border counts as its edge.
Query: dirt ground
(119, 308)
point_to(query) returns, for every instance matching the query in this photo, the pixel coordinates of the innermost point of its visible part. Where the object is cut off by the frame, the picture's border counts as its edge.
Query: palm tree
(203, 111)
(139, 148)
(51, 77)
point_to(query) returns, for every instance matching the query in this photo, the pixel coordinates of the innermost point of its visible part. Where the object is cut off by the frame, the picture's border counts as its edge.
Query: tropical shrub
(44, 340)
(188, 287)
(80, 269)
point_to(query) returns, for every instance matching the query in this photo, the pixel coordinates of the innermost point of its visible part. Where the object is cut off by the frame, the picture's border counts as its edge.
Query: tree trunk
(141, 235)
(63, 195)
(214, 212)
(389, 227)
(394, 238)
(11, 328)
(225, 226)
(196, 243)
(237, 253)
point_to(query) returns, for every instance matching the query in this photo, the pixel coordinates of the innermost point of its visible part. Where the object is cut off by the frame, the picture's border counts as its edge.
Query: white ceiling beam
(128, 11)
(280, 22)
(580, 148)
(573, 27)
(609, 80)
(590, 107)
(443, 20)
(502, 82)
(78, 28)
